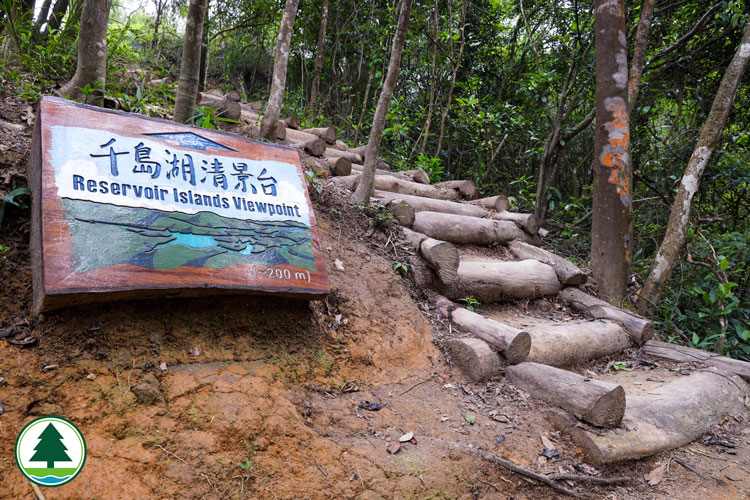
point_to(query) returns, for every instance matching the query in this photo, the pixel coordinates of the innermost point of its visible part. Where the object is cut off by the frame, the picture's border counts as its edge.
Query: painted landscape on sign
(104, 235)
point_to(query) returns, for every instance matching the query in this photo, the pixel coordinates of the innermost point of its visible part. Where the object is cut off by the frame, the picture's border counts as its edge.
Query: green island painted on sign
(104, 235)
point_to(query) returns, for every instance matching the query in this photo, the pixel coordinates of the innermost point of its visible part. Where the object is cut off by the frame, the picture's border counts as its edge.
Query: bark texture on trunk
(91, 68)
(475, 358)
(278, 80)
(679, 218)
(569, 343)
(421, 204)
(187, 88)
(517, 280)
(639, 328)
(683, 354)
(365, 187)
(598, 403)
(639, 52)
(511, 342)
(319, 54)
(567, 273)
(463, 229)
(675, 414)
(611, 238)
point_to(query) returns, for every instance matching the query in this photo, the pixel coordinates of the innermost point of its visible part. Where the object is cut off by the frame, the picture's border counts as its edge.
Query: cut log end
(402, 211)
(609, 409)
(339, 166)
(519, 348)
(475, 358)
(443, 256)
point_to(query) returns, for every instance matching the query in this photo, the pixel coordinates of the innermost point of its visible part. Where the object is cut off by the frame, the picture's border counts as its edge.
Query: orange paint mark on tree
(615, 153)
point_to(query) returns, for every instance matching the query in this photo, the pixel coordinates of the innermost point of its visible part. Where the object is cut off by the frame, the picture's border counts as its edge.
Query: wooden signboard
(132, 207)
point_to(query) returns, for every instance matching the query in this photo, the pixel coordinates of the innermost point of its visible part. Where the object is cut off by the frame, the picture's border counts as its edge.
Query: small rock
(393, 447)
(470, 419)
(91, 376)
(49, 368)
(147, 390)
(195, 351)
(338, 265)
(163, 366)
(1, 380)
(406, 437)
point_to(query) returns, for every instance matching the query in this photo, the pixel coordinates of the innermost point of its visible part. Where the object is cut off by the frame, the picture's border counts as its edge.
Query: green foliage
(432, 165)
(10, 199)
(380, 218)
(401, 268)
(245, 465)
(207, 117)
(470, 303)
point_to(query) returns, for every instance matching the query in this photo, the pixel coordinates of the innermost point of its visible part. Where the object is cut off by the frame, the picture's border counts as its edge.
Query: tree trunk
(365, 187)
(569, 343)
(202, 72)
(611, 238)
(319, 54)
(529, 222)
(640, 329)
(567, 273)
(453, 80)
(328, 134)
(157, 23)
(421, 204)
(517, 280)
(475, 358)
(278, 81)
(358, 169)
(339, 166)
(187, 88)
(683, 354)
(91, 68)
(467, 230)
(41, 18)
(497, 203)
(511, 342)
(58, 13)
(316, 147)
(639, 52)
(433, 81)
(674, 239)
(467, 188)
(598, 403)
(678, 413)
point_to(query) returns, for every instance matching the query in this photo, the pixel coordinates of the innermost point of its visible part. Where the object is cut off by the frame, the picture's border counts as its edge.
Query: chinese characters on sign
(145, 204)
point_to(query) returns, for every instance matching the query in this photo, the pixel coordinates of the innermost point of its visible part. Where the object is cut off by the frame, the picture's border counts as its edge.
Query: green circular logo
(50, 451)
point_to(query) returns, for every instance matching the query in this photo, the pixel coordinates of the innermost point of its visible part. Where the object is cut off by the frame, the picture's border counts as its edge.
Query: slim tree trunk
(453, 80)
(674, 239)
(278, 81)
(91, 67)
(58, 13)
(639, 52)
(157, 23)
(433, 82)
(611, 239)
(187, 88)
(42, 18)
(367, 179)
(319, 55)
(204, 53)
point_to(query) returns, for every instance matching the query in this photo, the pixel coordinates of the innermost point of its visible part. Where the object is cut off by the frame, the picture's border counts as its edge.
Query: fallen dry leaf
(656, 476)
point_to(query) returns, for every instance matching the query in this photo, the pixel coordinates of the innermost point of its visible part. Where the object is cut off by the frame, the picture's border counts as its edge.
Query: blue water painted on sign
(51, 480)
(191, 140)
(203, 241)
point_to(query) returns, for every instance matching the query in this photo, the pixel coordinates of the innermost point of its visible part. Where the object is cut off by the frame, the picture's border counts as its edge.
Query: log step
(511, 342)
(516, 280)
(683, 354)
(462, 229)
(596, 402)
(567, 273)
(639, 328)
(566, 344)
(682, 411)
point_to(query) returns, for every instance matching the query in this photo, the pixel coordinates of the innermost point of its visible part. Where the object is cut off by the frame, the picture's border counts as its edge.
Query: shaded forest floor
(276, 385)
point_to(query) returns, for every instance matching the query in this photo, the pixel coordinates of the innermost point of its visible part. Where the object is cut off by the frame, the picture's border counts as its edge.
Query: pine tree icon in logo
(50, 448)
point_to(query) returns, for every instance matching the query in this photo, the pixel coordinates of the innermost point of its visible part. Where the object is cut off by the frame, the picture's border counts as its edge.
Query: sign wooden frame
(147, 242)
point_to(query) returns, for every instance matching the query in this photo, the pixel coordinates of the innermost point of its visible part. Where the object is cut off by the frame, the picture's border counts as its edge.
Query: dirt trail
(276, 385)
